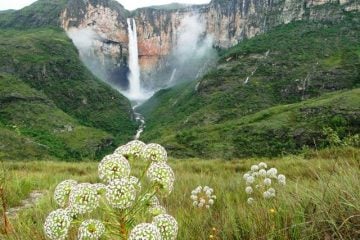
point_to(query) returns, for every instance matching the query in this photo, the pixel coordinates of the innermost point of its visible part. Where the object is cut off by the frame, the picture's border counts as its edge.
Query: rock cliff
(226, 21)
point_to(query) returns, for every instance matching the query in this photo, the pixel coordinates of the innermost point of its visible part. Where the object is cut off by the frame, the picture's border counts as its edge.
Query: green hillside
(42, 13)
(293, 63)
(46, 90)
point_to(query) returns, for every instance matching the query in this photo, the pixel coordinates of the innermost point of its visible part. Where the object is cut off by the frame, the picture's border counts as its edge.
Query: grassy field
(320, 201)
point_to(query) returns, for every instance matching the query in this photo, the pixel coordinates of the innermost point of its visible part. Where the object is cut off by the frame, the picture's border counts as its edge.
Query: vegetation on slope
(42, 13)
(290, 64)
(47, 83)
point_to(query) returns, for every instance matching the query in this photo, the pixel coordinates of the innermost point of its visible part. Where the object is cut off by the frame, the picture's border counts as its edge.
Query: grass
(321, 198)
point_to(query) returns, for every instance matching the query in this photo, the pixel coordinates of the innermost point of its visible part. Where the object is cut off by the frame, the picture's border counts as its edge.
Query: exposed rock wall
(227, 21)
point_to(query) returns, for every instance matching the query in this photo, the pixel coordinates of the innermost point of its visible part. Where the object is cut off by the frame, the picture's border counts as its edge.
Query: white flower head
(135, 149)
(246, 175)
(155, 153)
(254, 168)
(145, 231)
(62, 192)
(250, 201)
(120, 193)
(262, 165)
(272, 173)
(167, 226)
(91, 230)
(203, 197)
(262, 172)
(57, 224)
(83, 199)
(250, 180)
(267, 181)
(113, 167)
(282, 179)
(267, 195)
(162, 176)
(123, 150)
(249, 190)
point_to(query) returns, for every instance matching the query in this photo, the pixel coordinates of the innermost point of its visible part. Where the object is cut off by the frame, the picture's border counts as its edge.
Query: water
(172, 78)
(141, 120)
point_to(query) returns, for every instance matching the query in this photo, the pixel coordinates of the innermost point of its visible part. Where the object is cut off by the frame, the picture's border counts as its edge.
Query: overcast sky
(128, 4)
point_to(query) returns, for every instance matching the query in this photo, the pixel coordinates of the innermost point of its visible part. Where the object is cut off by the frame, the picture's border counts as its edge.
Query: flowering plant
(261, 181)
(131, 211)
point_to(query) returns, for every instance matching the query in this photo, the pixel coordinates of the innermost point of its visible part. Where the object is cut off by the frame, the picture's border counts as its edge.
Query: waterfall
(171, 80)
(134, 92)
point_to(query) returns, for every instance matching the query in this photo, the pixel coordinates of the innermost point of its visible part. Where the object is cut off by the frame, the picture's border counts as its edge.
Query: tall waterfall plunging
(134, 92)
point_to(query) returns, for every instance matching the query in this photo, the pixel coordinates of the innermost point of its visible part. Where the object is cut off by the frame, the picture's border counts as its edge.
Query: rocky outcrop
(227, 21)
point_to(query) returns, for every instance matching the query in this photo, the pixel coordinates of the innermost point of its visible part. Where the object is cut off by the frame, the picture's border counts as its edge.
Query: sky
(128, 4)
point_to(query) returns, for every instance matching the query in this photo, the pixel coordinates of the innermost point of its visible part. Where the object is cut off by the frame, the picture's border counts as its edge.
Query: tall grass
(320, 201)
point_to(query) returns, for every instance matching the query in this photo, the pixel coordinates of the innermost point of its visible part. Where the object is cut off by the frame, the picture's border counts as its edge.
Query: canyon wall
(227, 21)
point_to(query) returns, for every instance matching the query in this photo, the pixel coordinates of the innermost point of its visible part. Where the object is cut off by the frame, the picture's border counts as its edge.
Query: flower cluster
(62, 192)
(162, 176)
(113, 167)
(119, 193)
(84, 198)
(57, 224)
(261, 181)
(144, 231)
(203, 197)
(91, 230)
(155, 153)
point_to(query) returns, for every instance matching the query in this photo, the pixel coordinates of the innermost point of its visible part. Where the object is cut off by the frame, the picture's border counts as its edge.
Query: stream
(141, 120)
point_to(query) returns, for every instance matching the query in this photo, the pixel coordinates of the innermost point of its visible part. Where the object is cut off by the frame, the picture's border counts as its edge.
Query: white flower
(250, 201)
(248, 190)
(91, 230)
(120, 193)
(203, 196)
(162, 176)
(246, 175)
(145, 231)
(250, 180)
(254, 168)
(267, 181)
(57, 224)
(83, 199)
(262, 173)
(167, 225)
(62, 192)
(262, 165)
(282, 179)
(271, 192)
(272, 173)
(113, 167)
(154, 152)
(267, 195)
(135, 149)
(123, 150)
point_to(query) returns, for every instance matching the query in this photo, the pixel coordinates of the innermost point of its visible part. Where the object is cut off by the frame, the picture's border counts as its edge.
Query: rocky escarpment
(226, 21)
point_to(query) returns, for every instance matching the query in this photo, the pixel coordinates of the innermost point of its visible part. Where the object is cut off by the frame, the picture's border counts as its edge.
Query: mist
(193, 53)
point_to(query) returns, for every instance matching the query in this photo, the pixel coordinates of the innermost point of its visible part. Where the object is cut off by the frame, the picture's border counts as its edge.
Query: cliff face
(227, 21)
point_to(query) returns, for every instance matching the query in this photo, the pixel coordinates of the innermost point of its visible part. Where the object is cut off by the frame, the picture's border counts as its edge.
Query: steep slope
(32, 127)
(289, 64)
(68, 112)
